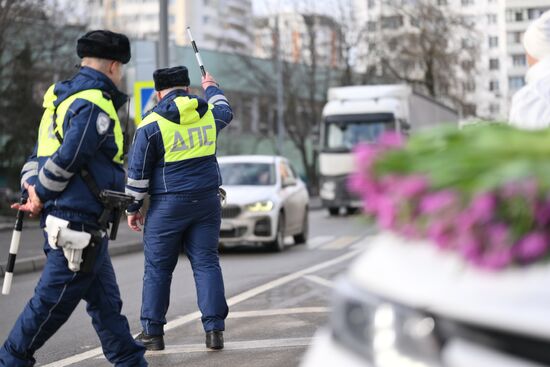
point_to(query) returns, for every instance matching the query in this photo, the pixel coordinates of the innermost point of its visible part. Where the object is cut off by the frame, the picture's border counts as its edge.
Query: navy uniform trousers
(56, 296)
(191, 222)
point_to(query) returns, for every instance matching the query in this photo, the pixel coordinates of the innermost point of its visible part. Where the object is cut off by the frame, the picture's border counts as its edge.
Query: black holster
(89, 254)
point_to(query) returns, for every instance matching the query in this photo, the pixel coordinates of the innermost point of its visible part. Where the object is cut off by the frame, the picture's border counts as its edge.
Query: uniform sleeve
(83, 133)
(140, 166)
(29, 172)
(223, 114)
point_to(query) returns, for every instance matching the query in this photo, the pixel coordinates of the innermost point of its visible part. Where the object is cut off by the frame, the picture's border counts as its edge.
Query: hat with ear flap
(177, 76)
(104, 45)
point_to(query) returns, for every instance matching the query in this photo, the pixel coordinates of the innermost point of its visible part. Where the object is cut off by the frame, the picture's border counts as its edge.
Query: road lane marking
(277, 312)
(239, 345)
(339, 243)
(322, 281)
(182, 320)
(318, 241)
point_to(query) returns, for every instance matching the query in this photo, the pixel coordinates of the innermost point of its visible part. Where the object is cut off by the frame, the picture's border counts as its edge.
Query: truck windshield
(345, 135)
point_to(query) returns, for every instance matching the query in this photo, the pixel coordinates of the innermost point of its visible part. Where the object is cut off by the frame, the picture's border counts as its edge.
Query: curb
(36, 263)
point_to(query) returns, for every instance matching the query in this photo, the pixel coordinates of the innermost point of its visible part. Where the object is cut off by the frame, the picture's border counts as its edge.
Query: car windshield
(251, 174)
(345, 135)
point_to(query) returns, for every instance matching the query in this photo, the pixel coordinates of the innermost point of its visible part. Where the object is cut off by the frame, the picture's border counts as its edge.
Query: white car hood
(243, 195)
(417, 274)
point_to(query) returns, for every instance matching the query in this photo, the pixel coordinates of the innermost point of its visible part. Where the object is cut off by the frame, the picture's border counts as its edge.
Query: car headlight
(260, 206)
(384, 333)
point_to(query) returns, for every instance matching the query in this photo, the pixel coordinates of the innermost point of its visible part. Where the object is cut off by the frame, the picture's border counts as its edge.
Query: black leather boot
(151, 342)
(214, 339)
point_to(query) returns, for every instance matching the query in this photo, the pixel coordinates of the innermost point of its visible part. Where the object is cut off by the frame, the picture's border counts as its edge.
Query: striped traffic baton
(14, 247)
(197, 54)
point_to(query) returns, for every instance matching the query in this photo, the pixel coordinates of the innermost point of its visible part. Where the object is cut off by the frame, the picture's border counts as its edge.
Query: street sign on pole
(144, 97)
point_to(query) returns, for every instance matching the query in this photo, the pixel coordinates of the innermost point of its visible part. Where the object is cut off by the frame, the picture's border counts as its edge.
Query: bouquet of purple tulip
(483, 192)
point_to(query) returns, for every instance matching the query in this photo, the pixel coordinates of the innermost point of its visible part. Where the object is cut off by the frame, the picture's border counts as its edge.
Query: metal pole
(280, 97)
(163, 56)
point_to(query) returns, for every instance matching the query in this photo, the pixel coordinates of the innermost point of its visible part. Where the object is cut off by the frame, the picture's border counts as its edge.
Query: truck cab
(360, 114)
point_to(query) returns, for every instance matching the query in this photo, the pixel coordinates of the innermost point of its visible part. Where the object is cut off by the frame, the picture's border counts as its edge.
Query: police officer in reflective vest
(173, 158)
(79, 130)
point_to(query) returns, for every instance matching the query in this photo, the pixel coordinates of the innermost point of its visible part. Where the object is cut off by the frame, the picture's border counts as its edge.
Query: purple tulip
(391, 139)
(532, 247)
(542, 213)
(439, 233)
(365, 155)
(482, 207)
(386, 211)
(438, 201)
(498, 259)
(411, 186)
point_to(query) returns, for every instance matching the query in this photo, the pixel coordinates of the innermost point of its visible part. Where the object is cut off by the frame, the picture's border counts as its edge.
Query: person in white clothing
(531, 104)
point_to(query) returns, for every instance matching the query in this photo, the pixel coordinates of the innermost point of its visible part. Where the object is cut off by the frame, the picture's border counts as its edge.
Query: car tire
(334, 211)
(278, 244)
(301, 238)
(352, 210)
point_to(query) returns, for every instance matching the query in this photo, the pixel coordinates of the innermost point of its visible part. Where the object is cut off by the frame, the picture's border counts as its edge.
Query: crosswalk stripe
(339, 243)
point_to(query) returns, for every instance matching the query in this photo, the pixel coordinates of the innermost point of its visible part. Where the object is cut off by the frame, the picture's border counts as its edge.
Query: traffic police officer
(79, 128)
(173, 158)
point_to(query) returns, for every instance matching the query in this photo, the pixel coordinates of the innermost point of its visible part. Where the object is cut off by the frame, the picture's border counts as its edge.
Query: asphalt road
(277, 301)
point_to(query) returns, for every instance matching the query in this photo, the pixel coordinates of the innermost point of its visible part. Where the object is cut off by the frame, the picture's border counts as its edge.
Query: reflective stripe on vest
(186, 140)
(47, 141)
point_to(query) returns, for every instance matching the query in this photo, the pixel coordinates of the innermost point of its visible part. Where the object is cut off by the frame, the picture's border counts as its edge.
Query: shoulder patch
(103, 122)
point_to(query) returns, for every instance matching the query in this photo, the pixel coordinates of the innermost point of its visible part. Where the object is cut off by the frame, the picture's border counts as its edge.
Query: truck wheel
(301, 238)
(334, 211)
(278, 244)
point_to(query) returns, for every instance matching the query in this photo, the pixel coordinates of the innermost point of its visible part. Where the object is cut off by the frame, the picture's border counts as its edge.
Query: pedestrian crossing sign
(144, 97)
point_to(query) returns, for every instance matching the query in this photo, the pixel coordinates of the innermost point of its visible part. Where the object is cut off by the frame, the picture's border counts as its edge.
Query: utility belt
(79, 243)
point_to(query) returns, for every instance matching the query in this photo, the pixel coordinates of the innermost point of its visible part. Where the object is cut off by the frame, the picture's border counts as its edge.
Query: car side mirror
(289, 181)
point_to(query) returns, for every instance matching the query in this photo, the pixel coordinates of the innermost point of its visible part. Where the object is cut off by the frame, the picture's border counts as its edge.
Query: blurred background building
(223, 25)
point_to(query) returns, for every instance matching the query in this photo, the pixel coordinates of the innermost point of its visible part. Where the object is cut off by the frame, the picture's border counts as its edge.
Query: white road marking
(339, 243)
(322, 281)
(240, 345)
(277, 312)
(180, 321)
(318, 241)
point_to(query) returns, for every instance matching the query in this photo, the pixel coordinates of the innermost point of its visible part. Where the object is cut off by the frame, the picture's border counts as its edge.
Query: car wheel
(352, 210)
(301, 238)
(334, 211)
(278, 244)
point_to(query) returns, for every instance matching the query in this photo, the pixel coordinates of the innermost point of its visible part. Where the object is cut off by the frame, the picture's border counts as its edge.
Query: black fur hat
(104, 45)
(177, 76)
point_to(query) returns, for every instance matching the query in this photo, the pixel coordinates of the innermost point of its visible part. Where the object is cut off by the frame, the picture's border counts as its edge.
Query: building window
(371, 26)
(493, 64)
(371, 4)
(494, 109)
(491, 18)
(494, 86)
(493, 42)
(441, 2)
(516, 82)
(467, 2)
(470, 86)
(515, 16)
(469, 110)
(519, 60)
(392, 22)
(514, 38)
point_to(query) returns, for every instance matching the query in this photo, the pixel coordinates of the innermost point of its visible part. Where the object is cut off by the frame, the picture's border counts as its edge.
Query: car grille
(231, 211)
(233, 233)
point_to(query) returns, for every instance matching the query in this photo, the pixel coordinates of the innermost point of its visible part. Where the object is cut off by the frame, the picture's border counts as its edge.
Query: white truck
(360, 114)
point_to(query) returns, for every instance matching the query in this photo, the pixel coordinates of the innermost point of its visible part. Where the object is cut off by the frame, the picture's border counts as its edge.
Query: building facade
(299, 35)
(223, 25)
(501, 65)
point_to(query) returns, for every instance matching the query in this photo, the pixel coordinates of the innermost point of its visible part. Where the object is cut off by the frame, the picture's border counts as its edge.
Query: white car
(408, 304)
(266, 201)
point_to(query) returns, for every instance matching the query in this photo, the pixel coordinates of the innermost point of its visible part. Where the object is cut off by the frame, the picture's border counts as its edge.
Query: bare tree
(426, 45)
(36, 48)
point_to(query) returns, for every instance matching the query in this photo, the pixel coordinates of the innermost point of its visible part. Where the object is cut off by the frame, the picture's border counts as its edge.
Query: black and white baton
(14, 247)
(197, 54)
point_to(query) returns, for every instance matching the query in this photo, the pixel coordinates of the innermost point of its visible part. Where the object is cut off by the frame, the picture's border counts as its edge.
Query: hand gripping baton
(197, 54)
(14, 247)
